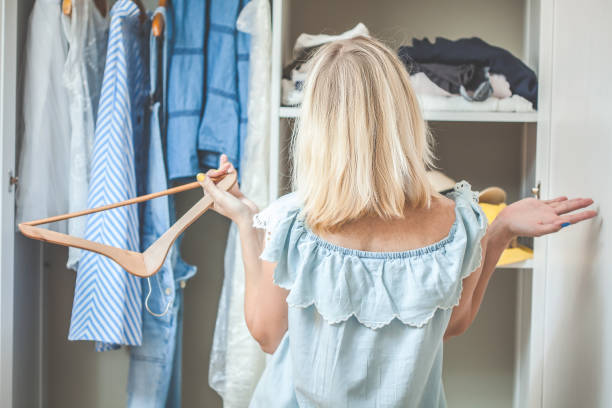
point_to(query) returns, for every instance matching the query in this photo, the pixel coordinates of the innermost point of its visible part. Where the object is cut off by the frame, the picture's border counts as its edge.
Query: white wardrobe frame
(530, 333)
(538, 46)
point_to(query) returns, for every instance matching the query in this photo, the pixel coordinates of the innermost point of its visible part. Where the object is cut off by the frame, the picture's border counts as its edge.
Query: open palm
(533, 218)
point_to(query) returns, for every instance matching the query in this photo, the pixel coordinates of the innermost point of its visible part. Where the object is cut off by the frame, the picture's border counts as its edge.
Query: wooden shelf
(449, 116)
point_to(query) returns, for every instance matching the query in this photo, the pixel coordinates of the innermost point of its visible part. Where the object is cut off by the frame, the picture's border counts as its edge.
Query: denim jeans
(155, 366)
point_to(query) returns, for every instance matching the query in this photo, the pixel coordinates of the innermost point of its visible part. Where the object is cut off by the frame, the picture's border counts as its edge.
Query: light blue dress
(365, 328)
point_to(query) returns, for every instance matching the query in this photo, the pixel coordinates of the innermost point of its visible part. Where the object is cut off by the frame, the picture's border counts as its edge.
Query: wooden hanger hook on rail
(142, 264)
(158, 20)
(100, 4)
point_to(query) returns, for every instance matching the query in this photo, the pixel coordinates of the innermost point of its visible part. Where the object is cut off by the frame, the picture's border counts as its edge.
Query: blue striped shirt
(107, 305)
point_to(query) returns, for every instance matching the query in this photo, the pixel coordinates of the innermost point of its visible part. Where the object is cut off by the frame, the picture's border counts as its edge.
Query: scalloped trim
(309, 299)
(379, 325)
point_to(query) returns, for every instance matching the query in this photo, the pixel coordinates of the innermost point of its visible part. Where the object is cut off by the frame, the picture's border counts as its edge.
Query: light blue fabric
(224, 124)
(107, 303)
(365, 328)
(155, 366)
(186, 85)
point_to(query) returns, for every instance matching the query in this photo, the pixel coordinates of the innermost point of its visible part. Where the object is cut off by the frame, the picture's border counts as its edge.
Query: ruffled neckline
(373, 287)
(409, 253)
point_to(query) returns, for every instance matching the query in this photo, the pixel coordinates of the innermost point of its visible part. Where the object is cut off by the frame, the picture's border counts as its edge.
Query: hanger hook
(165, 312)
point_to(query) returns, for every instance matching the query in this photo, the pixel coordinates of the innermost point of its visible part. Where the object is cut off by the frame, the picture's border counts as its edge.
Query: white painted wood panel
(577, 361)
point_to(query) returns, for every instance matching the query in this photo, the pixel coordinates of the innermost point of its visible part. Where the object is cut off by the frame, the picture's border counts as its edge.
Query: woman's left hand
(533, 218)
(232, 203)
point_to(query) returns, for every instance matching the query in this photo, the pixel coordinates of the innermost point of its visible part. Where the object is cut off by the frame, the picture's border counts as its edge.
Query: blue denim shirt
(208, 86)
(186, 84)
(224, 124)
(155, 366)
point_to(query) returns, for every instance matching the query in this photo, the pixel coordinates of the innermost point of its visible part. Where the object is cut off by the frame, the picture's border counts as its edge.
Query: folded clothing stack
(469, 75)
(295, 73)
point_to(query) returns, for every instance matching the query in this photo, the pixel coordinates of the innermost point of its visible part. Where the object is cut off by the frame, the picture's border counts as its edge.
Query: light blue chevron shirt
(107, 305)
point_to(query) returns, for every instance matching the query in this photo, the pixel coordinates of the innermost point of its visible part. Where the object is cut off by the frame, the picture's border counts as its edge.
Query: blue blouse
(365, 328)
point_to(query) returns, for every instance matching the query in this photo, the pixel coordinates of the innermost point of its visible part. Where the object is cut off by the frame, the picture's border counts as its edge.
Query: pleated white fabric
(44, 161)
(87, 33)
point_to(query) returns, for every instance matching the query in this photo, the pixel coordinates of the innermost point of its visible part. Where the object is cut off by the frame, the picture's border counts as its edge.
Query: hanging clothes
(155, 366)
(44, 162)
(522, 79)
(205, 121)
(107, 303)
(236, 360)
(86, 30)
(224, 124)
(186, 85)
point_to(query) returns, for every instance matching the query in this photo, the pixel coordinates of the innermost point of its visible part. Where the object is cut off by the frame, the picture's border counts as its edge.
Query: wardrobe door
(576, 302)
(20, 259)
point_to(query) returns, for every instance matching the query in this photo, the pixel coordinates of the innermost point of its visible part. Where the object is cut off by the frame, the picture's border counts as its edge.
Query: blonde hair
(361, 146)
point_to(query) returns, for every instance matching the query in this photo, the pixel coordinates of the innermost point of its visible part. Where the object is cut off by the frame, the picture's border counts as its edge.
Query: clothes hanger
(100, 4)
(158, 20)
(142, 264)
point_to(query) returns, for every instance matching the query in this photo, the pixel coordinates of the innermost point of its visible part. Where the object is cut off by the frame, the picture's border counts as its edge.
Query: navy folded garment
(469, 80)
(522, 79)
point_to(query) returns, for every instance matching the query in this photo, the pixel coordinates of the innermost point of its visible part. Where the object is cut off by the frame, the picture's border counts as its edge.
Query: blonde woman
(360, 274)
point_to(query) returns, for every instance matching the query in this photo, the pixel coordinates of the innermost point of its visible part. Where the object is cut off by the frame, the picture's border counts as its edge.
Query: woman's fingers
(564, 207)
(579, 216)
(210, 187)
(555, 200)
(222, 170)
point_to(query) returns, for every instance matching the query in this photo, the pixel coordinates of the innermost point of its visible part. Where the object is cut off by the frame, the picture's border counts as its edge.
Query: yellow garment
(492, 210)
(510, 255)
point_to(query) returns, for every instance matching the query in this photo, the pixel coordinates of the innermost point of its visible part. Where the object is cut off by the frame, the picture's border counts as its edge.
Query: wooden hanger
(142, 264)
(158, 20)
(100, 4)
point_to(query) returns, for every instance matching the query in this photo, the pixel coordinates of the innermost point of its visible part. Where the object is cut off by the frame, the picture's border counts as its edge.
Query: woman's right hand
(232, 204)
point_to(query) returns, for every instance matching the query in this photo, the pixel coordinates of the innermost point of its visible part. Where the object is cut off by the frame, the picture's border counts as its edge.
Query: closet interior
(55, 372)
(486, 366)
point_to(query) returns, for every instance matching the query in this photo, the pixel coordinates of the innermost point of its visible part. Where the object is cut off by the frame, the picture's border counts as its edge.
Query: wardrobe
(541, 337)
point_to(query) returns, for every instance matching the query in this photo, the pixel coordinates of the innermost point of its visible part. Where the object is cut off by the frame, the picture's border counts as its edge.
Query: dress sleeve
(473, 222)
(276, 220)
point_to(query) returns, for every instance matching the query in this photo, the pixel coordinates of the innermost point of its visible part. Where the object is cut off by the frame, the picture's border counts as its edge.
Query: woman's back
(418, 228)
(368, 304)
